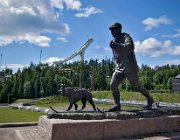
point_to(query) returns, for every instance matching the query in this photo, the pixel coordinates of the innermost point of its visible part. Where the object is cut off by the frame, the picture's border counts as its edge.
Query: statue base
(99, 126)
(122, 115)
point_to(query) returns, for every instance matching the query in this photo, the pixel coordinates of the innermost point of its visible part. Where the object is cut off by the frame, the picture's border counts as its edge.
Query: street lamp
(1, 61)
(40, 56)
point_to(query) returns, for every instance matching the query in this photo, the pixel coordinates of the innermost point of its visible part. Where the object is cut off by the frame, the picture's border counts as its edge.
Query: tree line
(42, 80)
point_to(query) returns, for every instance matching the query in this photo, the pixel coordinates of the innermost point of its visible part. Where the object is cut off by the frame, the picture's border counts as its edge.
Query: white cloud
(22, 10)
(62, 39)
(75, 5)
(57, 4)
(107, 49)
(173, 62)
(25, 21)
(86, 12)
(15, 66)
(176, 51)
(38, 40)
(156, 48)
(176, 35)
(51, 60)
(70, 4)
(151, 23)
(97, 46)
(5, 40)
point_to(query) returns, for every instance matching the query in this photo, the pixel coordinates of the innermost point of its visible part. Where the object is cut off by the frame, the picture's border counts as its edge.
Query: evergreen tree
(41, 80)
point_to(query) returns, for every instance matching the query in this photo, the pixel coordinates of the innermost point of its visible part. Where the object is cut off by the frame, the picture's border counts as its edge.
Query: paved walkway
(22, 133)
(30, 134)
(10, 132)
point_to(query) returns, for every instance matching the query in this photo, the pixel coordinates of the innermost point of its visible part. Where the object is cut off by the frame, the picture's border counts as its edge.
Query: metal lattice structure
(80, 52)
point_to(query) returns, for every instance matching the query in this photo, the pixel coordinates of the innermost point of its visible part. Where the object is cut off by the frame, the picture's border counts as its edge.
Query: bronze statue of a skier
(122, 47)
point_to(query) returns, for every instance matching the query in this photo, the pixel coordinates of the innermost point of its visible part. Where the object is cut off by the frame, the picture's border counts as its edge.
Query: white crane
(80, 52)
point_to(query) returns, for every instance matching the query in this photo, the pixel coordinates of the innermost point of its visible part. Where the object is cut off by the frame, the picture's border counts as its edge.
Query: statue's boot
(115, 108)
(150, 101)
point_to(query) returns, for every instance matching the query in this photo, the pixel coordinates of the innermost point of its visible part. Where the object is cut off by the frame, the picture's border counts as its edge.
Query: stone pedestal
(106, 129)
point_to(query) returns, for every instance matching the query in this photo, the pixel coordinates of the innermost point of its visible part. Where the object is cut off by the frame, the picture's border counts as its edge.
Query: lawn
(59, 101)
(126, 95)
(8, 115)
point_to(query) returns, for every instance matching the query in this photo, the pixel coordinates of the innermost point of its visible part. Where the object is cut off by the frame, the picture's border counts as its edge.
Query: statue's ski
(101, 111)
(54, 109)
(77, 111)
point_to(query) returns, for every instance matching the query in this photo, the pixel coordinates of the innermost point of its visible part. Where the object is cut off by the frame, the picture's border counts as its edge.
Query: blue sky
(60, 27)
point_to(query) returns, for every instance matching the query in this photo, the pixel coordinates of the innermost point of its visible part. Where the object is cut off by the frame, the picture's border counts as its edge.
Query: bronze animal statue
(75, 94)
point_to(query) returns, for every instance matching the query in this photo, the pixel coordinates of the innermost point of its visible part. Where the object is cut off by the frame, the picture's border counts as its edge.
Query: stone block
(67, 129)
(114, 129)
(159, 124)
(165, 124)
(176, 121)
(170, 123)
(105, 129)
(149, 125)
(78, 130)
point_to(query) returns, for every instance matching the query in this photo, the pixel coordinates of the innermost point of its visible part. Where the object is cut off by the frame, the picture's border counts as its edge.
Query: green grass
(42, 101)
(8, 115)
(64, 106)
(158, 97)
(61, 102)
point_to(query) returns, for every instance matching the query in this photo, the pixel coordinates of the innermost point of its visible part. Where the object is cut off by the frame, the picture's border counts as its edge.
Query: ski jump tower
(80, 52)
